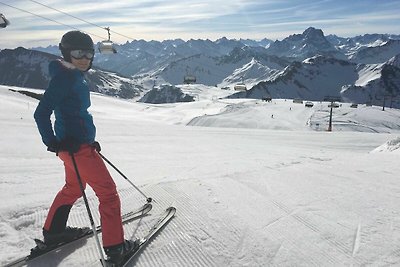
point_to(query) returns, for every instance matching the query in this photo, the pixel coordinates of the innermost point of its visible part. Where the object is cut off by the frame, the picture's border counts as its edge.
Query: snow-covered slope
(377, 54)
(319, 78)
(377, 84)
(252, 72)
(244, 196)
(283, 114)
(392, 146)
(313, 79)
(207, 70)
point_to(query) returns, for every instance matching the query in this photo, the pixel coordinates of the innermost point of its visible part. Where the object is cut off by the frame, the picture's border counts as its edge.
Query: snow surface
(250, 189)
(369, 73)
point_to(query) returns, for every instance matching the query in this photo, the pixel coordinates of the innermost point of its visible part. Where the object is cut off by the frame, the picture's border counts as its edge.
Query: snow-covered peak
(377, 54)
(368, 73)
(251, 73)
(313, 34)
(311, 42)
(395, 61)
(313, 79)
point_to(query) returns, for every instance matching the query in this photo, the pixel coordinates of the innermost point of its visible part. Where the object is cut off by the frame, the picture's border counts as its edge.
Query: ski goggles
(79, 54)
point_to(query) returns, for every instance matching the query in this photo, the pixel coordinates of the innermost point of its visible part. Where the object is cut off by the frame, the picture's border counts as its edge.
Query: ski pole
(96, 237)
(149, 199)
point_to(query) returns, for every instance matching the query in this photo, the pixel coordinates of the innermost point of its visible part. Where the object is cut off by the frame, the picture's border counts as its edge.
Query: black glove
(53, 147)
(96, 146)
(70, 145)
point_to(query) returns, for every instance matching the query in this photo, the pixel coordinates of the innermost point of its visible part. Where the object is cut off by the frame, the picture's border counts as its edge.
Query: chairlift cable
(65, 13)
(75, 17)
(40, 16)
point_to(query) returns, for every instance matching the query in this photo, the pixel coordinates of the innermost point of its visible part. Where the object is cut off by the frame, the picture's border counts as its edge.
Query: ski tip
(147, 208)
(171, 209)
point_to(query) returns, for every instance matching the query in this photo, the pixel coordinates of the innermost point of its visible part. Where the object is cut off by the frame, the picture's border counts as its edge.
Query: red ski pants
(92, 171)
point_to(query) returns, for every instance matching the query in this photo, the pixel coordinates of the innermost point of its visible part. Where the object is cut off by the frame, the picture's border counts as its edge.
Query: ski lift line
(88, 22)
(130, 38)
(65, 13)
(47, 18)
(37, 15)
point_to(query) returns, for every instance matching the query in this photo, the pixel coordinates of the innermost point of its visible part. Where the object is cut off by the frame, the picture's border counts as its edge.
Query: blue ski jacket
(69, 97)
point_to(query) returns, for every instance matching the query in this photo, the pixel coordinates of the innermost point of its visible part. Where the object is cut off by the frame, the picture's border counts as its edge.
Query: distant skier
(74, 134)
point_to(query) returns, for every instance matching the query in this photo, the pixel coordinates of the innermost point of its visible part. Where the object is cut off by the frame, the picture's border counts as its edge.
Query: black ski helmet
(75, 40)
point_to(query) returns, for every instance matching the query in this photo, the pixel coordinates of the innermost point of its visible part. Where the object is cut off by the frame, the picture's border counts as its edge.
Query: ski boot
(116, 254)
(68, 235)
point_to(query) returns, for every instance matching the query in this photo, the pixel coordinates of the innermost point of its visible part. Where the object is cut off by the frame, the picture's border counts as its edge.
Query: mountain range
(309, 65)
(29, 68)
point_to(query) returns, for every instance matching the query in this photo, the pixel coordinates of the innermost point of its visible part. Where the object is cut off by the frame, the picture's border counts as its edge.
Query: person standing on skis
(74, 134)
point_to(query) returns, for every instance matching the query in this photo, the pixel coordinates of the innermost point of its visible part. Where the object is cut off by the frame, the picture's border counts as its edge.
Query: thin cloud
(161, 19)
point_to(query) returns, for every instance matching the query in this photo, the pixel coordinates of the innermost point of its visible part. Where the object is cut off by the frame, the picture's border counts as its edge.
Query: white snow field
(251, 189)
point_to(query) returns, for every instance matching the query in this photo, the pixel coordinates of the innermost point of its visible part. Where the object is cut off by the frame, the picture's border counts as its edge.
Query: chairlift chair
(188, 79)
(3, 21)
(240, 87)
(107, 46)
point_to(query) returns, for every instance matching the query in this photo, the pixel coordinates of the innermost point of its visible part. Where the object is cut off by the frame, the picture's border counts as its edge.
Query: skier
(74, 135)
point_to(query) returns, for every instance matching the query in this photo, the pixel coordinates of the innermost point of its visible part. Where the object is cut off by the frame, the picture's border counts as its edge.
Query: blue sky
(197, 19)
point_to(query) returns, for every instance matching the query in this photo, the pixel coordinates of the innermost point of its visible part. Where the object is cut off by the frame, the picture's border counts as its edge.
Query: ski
(142, 242)
(42, 249)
